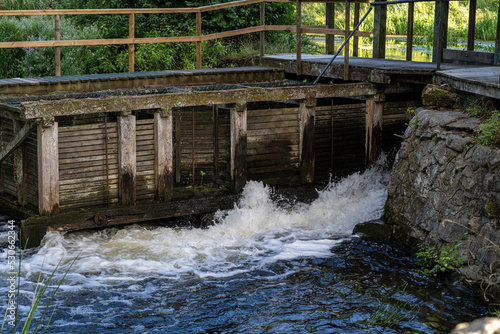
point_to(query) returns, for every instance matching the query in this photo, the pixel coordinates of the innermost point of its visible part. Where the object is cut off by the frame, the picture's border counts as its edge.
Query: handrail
(343, 44)
(198, 38)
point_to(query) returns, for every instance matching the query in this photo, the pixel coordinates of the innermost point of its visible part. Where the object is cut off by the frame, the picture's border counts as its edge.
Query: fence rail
(198, 38)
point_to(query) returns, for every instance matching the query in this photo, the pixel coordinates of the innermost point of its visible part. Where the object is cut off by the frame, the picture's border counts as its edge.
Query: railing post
(409, 34)
(131, 47)
(58, 48)
(472, 25)
(440, 31)
(330, 23)
(347, 32)
(355, 42)
(299, 37)
(379, 31)
(262, 23)
(198, 44)
(164, 167)
(497, 41)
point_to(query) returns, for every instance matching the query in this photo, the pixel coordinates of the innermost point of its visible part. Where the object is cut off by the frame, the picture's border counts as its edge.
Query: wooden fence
(198, 39)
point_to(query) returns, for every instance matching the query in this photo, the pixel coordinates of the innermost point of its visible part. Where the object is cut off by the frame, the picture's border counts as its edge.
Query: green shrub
(489, 131)
(437, 260)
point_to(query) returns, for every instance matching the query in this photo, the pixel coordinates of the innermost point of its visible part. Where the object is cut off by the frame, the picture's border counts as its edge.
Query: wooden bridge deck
(477, 80)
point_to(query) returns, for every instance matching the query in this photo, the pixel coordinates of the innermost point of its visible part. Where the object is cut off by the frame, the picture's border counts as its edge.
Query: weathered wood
(17, 140)
(467, 57)
(355, 41)
(127, 159)
(497, 41)
(409, 33)
(374, 121)
(262, 34)
(299, 36)
(306, 140)
(472, 25)
(131, 47)
(163, 165)
(238, 114)
(198, 43)
(48, 169)
(440, 31)
(346, 36)
(379, 31)
(66, 107)
(58, 48)
(330, 23)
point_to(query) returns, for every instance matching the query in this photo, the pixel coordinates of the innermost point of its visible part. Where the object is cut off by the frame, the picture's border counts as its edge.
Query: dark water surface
(262, 268)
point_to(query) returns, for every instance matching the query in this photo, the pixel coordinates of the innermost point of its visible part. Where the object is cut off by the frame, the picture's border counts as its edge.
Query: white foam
(255, 232)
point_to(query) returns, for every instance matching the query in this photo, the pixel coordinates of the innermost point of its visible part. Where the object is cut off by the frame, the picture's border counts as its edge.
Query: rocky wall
(444, 185)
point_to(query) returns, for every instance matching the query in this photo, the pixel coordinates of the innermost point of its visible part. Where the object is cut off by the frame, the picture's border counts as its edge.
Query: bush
(489, 131)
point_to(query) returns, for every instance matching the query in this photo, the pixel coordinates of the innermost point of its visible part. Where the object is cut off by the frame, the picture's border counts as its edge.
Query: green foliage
(25, 4)
(489, 131)
(441, 260)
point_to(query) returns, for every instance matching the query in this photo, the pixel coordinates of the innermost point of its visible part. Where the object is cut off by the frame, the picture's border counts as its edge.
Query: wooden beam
(330, 23)
(178, 156)
(262, 34)
(127, 168)
(379, 31)
(58, 48)
(497, 41)
(346, 36)
(164, 155)
(48, 169)
(21, 135)
(440, 31)
(355, 41)
(409, 33)
(131, 47)
(20, 167)
(374, 120)
(299, 36)
(307, 114)
(472, 25)
(238, 114)
(198, 43)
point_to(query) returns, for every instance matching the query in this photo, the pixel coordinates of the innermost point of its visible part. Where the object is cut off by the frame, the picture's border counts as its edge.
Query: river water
(269, 265)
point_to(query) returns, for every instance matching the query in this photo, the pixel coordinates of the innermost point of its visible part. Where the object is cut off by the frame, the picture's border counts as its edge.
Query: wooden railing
(198, 38)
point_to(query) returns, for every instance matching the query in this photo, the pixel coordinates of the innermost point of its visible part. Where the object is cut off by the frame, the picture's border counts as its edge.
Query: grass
(489, 130)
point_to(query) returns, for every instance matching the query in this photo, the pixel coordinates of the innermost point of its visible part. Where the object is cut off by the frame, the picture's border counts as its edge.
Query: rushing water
(270, 265)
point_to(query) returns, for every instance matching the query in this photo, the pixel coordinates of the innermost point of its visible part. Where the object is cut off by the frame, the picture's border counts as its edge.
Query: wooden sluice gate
(93, 159)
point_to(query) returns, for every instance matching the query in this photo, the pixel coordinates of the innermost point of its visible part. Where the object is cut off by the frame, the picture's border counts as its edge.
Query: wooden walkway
(361, 69)
(478, 80)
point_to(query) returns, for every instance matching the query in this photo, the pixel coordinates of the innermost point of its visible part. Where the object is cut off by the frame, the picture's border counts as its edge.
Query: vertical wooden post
(330, 23)
(379, 31)
(178, 155)
(198, 44)
(299, 36)
(20, 168)
(472, 25)
(127, 159)
(131, 47)
(164, 150)
(48, 168)
(440, 31)
(216, 140)
(409, 33)
(238, 114)
(58, 48)
(374, 120)
(347, 32)
(355, 42)
(262, 23)
(307, 111)
(497, 42)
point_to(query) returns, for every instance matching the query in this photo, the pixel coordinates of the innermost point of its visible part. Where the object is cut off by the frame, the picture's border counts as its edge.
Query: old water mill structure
(99, 150)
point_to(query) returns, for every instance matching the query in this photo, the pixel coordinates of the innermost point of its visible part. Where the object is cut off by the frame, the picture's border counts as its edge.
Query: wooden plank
(374, 122)
(87, 127)
(355, 42)
(198, 44)
(299, 37)
(238, 171)
(379, 31)
(17, 140)
(262, 34)
(497, 41)
(472, 25)
(467, 57)
(127, 159)
(346, 36)
(330, 23)
(58, 49)
(48, 169)
(131, 47)
(409, 33)
(306, 141)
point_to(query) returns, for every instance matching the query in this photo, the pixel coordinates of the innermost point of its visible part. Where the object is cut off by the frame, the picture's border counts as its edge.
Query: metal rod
(342, 46)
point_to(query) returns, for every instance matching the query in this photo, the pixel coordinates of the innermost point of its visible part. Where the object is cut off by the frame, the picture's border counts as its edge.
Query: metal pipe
(342, 46)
